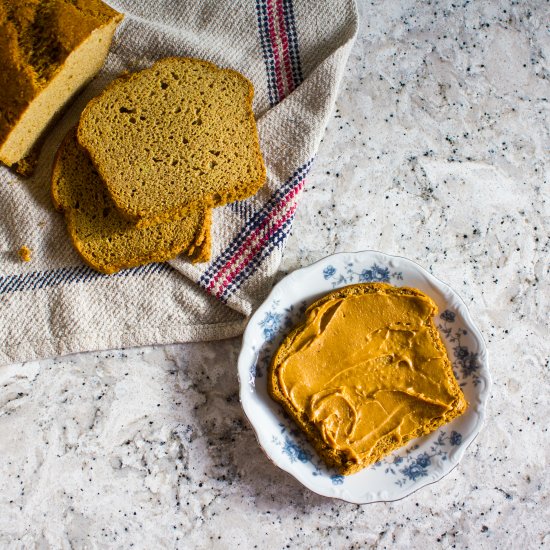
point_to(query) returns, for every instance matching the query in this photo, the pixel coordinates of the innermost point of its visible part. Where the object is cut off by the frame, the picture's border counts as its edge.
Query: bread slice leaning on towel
(180, 132)
(104, 239)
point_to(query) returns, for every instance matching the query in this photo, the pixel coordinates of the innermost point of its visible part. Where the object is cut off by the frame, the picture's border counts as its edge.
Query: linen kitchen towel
(294, 52)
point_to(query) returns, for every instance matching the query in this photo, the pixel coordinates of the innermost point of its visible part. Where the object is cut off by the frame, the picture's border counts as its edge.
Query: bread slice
(365, 373)
(178, 133)
(48, 50)
(106, 241)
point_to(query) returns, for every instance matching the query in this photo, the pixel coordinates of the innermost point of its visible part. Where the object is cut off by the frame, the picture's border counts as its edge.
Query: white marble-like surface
(438, 151)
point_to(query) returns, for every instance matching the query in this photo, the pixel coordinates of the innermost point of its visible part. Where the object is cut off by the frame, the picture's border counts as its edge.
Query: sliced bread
(104, 239)
(178, 133)
(48, 50)
(365, 373)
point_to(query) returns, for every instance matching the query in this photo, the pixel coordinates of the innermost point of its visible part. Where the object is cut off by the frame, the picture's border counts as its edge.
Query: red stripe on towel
(248, 244)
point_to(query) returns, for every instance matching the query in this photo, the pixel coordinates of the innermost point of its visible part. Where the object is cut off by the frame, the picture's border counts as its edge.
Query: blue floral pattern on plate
(411, 466)
(372, 274)
(420, 462)
(466, 363)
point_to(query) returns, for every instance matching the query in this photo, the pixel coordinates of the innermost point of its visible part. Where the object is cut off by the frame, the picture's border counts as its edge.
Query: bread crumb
(25, 253)
(25, 167)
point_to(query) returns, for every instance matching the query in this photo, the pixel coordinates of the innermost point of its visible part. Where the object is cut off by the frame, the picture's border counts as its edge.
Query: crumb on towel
(25, 254)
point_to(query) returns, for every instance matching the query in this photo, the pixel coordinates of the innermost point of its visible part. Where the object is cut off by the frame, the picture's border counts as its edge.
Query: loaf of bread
(104, 239)
(178, 133)
(365, 373)
(48, 50)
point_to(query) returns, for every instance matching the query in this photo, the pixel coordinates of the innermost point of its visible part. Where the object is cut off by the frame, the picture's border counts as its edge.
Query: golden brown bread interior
(106, 241)
(365, 373)
(178, 133)
(48, 50)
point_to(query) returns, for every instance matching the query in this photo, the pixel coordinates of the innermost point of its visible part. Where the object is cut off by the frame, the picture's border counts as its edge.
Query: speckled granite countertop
(438, 151)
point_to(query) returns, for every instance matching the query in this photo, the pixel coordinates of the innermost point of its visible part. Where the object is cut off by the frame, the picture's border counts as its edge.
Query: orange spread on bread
(368, 371)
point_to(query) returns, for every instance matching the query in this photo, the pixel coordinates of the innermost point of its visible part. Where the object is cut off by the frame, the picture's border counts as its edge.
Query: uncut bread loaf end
(104, 239)
(178, 133)
(48, 50)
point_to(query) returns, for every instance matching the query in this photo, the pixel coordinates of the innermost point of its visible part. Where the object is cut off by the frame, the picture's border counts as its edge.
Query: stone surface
(438, 151)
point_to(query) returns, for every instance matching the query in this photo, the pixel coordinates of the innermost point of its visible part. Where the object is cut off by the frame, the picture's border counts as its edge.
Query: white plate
(424, 460)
